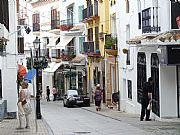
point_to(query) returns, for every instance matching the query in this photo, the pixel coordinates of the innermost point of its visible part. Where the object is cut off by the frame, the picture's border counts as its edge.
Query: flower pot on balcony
(125, 51)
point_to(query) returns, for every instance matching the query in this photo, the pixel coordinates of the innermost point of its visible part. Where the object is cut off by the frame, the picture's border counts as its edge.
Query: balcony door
(70, 15)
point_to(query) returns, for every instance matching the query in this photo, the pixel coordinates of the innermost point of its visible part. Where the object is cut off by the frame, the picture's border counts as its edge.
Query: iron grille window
(155, 76)
(36, 22)
(141, 74)
(129, 89)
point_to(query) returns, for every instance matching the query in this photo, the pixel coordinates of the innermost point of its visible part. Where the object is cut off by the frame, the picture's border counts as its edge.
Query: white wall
(168, 98)
(9, 69)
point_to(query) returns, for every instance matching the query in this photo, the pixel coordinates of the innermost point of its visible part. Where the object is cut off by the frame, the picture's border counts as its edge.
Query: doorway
(155, 76)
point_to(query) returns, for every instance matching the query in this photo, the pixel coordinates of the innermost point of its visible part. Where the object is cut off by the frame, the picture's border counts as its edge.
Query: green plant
(110, 41)
(125, 50)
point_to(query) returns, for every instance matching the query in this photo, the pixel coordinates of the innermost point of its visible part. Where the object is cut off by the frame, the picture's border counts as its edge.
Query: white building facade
(141, 23)
(8, 59)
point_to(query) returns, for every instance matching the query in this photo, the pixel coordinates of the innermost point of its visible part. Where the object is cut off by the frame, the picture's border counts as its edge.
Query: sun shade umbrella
(21, 71)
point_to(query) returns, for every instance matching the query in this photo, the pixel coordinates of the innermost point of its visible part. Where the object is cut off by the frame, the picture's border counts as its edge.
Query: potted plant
(111, 43)
(125, 50)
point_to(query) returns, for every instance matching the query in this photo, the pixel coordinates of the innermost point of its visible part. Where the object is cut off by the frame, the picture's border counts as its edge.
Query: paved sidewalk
(165, 127)
(8, 127)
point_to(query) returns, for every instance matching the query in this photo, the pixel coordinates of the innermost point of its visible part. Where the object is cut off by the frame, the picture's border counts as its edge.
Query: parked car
(71, 98)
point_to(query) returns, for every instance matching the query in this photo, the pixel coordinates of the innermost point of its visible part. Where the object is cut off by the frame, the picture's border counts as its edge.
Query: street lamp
(36, 44)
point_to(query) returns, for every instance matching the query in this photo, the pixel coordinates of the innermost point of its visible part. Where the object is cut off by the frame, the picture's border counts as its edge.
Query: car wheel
(64, 104)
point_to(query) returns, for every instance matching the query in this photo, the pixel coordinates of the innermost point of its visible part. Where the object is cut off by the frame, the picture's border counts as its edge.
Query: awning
(78, 59)
(52, 42)
(64, 40)
(53, 67)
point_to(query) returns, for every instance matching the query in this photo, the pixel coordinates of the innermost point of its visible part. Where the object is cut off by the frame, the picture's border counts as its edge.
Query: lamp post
(38, 62)
(70, 65)
(36, 44)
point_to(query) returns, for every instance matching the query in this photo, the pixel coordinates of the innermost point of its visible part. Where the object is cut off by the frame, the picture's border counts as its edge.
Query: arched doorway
(141, 74)
(155, 76)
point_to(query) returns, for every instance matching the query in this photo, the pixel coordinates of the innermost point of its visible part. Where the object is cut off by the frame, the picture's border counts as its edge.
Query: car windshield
(72, 92)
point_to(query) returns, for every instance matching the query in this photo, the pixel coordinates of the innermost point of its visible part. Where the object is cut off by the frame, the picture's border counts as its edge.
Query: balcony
(67, 55)
(88, 47)
(66, 25)
(55, 24)
(90, 13)
(150, 20)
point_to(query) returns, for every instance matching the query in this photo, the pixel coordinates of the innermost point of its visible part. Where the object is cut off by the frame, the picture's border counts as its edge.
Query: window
(36, 22)
(80, 11)
(21, 45)
(139, 14)
(129, 89)
(4, 13)
(53, 53)
(70, 15)
(55, 19)
(0, 84)
(97, 37)
(90, 34)
(128, 58)
(81, 40)
(2, 48)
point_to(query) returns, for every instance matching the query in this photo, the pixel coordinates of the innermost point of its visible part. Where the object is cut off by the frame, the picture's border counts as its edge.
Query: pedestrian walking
(24, 105)
(98, 97)
(146, 99)
(47, 93)
(54, 92)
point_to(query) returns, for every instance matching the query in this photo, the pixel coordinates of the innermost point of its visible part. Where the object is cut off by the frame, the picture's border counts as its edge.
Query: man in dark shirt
(146, 99)
(47, 93)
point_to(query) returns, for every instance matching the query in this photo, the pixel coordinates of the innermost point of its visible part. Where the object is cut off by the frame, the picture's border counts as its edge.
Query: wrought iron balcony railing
(55, 24)
(66, 24)
(150, 20)
(90, 11)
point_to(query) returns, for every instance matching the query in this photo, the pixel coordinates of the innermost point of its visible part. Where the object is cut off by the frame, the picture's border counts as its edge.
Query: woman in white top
(24, 104)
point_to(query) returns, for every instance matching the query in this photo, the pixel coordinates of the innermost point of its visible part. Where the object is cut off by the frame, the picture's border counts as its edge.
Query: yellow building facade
(96, 18)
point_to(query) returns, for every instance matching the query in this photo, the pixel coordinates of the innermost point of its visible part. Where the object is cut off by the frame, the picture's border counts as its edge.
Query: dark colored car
(71, 98)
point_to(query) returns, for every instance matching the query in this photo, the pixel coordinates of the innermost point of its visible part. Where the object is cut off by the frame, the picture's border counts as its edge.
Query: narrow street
(74, 121)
